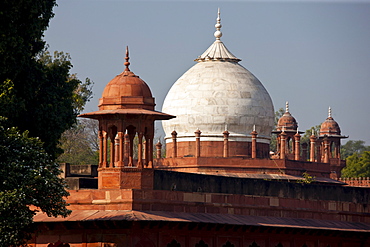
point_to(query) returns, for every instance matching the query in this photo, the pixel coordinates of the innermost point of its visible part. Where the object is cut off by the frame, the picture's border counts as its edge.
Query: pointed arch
(173, 243)
(228, 244)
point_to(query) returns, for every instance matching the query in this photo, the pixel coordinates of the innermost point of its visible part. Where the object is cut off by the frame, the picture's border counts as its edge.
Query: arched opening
(174, 243)
(254, 244)
(112, 132)
(290, 145)
(333, 149)
(228, 244)
(201, 243)
(129, 145)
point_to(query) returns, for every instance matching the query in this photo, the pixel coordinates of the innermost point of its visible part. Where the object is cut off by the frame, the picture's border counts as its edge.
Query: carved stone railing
(356, 182)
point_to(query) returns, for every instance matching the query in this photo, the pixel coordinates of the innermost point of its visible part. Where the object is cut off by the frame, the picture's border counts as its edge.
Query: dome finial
(287, 106)
(218, 33)
(127, 63)
(329, 115)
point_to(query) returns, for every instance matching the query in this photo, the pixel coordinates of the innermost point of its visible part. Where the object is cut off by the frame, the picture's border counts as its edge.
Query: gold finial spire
(127, 63)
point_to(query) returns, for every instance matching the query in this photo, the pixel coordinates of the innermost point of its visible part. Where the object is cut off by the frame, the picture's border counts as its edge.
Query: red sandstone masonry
(177, 201)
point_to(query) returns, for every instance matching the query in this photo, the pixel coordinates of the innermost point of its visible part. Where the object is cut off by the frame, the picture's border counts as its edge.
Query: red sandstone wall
(195, 202)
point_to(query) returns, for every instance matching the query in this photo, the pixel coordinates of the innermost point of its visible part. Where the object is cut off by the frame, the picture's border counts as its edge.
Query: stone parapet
(356, 182)
(236, 165)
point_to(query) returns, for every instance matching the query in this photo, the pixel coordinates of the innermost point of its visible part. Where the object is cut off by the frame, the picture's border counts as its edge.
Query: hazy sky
(314, 54)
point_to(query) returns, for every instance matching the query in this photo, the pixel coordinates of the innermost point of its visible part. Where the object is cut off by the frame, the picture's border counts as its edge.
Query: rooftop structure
(218, 184)
(215, 95)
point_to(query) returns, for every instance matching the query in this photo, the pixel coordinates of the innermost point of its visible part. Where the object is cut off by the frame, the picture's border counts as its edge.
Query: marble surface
(214, 94)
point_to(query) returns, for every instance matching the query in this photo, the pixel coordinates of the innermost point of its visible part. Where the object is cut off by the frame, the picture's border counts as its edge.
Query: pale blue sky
(314, 54)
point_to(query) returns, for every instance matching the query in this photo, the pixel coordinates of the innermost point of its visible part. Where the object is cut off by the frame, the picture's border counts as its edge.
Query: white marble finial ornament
(225, 127)
(218, 33)
(313, 132)
(329, 112)
(287, 106)
(254, 127)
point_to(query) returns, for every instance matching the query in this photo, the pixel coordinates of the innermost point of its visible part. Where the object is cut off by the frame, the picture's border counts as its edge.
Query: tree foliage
(306, 136)
(29, 182)
(50, 104)
(22, 25)
(43, 97)
(357, 156)
(352, 147)
(278, 114)
(358, 165)
(39, 96)
(80, 143)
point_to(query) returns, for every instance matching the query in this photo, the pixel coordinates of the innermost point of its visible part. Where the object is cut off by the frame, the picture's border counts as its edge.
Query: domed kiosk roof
(218, 93)
(330, 127)
(126, 94)
(287, 121)
(126, 90)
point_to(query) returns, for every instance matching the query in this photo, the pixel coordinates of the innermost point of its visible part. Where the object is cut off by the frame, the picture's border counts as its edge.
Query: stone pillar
(278, 141)
(101, 148)
(159, 149)
(197, 143)
(318, 151)
(116, 151)
(282, 144)
(174, 141)
(140, 151)
(312, 147)
(149, 143)
(254, 142)
(326, 150)
(226, 143)
(297, 148)
(105, 150)
(120, 150)
(126, 149)
(145, 153)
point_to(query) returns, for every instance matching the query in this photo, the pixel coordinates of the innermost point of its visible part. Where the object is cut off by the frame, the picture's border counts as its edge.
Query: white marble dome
(218, 93)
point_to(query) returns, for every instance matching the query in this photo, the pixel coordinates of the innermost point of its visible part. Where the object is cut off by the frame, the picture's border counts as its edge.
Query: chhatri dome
(330, 127)
(216, 94)
(287, 121)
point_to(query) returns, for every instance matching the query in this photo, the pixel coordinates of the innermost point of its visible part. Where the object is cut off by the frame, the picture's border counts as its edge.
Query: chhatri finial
(329, 115)
(127, 63)
(287, 106)
(218, 33)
